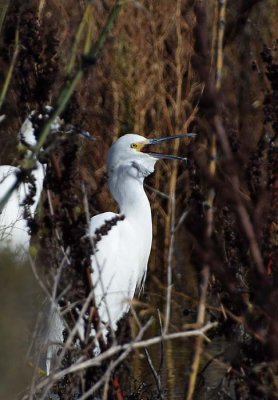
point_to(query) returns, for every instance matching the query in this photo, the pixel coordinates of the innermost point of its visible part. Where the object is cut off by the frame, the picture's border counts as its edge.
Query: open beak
(144, 148)
(86, 135)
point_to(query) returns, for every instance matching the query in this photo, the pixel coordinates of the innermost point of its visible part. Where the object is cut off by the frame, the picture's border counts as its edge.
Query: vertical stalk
(205, 273)
(3, 11)
(10, 71)
(170, 223)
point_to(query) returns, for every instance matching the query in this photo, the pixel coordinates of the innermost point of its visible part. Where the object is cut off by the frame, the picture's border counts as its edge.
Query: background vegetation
(165, 67)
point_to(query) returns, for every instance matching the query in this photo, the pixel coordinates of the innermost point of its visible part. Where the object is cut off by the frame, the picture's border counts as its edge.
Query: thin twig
(4, 5)
(244, 218)
(75, 328)
(57, 233)
(161, 344)
(156, 374)
(77, 38)
(199, 340)
(169, 264)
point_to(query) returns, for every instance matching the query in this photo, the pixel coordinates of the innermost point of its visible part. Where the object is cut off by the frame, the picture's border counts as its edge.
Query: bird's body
(14, 230)
(128, 244)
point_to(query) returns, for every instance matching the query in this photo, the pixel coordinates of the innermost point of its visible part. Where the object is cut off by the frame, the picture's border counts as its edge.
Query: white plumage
(14, 231)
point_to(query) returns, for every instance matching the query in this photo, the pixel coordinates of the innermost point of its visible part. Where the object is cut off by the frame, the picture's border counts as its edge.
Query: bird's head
(30, 129)
(33, 124)
(134, 154)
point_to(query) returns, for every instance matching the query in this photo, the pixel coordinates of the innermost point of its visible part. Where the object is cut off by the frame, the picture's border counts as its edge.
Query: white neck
(135, 206)
(131, 197)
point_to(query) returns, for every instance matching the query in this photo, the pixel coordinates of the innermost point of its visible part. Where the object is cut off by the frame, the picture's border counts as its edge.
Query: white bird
(120, 260)
(14, 230)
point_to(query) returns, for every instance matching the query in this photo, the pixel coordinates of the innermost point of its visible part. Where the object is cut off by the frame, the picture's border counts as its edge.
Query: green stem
(3, 11)
(106, 29)
(10, 71)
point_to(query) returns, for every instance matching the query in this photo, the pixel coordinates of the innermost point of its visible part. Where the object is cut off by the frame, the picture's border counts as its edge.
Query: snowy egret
(121, 242)
(121, 255)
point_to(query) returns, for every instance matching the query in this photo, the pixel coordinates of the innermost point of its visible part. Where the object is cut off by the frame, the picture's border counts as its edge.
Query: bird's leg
(117, 388)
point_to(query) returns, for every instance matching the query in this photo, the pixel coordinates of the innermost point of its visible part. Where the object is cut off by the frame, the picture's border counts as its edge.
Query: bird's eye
(133, 145)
